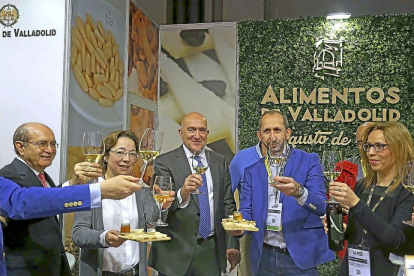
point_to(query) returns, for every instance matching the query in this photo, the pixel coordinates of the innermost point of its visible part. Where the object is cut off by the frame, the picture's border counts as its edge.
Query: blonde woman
(379, 203)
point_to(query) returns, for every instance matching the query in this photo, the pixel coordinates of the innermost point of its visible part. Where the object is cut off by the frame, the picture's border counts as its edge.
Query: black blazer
(34, 245)
(174, 257)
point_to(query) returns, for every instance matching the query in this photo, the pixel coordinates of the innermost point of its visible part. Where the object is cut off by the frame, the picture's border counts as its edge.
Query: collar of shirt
(259, 149)
(189, 154)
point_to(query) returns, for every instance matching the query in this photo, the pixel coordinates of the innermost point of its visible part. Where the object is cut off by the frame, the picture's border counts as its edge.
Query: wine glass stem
(143, 171)
(159, 218)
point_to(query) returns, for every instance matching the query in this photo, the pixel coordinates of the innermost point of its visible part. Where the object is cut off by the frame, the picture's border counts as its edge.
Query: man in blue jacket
(21, 203)
(290, 240)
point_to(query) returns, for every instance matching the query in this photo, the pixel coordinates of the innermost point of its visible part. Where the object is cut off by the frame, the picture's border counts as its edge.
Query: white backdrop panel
(31, 73)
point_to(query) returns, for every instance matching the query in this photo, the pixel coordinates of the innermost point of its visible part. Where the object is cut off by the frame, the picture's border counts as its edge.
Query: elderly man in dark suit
(34, 247)
(199, 244)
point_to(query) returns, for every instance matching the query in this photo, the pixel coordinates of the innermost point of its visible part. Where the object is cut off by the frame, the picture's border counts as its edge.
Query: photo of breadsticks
(198, 73)
(143, 47)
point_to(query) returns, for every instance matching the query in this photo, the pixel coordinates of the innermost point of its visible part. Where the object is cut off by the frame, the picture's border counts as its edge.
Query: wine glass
(330, 166)
(149, 148)
(161, 191)
(277, 156)
(407, 180)
(93, 147)
(199, 168)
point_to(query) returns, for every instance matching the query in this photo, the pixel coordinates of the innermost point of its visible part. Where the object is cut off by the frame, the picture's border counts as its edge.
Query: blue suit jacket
(302, 228)
(18, 203)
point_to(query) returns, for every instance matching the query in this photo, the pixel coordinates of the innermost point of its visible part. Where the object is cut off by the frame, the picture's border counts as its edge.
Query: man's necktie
(204, 228)
(43, 179)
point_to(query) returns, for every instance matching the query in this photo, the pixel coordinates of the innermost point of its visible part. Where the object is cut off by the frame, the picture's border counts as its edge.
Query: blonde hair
(3, 219)
(399, 142)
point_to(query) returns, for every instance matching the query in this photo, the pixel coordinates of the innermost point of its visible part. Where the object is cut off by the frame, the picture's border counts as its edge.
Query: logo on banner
(9, 15)
(327, 59)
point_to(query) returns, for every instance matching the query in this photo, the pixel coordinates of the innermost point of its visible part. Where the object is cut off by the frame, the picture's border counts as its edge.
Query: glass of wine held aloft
(277, 154)
(92, 146)
(200, 166)
(332, 168)
(406, 172)
(161, 191)
(149, 148)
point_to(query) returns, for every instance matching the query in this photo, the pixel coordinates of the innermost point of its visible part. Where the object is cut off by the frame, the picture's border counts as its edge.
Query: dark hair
(272, 112)
(23, 134)
(111, 140)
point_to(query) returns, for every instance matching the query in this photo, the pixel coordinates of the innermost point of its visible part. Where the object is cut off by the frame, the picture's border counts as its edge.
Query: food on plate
(96, 62)
(233, 224)
(140, 236)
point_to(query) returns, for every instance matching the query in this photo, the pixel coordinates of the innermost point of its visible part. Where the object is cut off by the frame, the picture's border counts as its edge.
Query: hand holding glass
(161, 191)
(149, 148)
(331, 170)
(93, 147)
(199, 169)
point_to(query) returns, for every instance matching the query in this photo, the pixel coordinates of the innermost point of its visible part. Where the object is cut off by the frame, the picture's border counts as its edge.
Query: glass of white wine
(330, 166)
(199, 169)
(149, 148)
(161, 192)
(93, 147)
(277, 156)
(407, 180)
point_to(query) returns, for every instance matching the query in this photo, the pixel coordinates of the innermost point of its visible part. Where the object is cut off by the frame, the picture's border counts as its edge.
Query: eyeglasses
(122, 154)
(192, 130)
(378, 147)
(359, 143)
(42, 145)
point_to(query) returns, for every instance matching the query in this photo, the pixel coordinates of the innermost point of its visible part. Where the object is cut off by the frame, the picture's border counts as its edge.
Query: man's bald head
(194, 131)
(359, 134)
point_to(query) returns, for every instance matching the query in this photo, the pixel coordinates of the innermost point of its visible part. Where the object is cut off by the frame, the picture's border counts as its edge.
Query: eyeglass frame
(359, 143)
(52, 145)
(192, 130)
(125, 153)
(374, 146)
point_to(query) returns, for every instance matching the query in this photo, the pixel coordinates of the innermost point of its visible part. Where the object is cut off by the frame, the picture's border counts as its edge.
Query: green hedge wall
(378, 52)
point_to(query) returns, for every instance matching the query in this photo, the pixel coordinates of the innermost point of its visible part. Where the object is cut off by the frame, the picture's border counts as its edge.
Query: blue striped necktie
(204, 228)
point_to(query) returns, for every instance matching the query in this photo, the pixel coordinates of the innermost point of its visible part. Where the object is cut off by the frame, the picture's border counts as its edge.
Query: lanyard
(371, 192)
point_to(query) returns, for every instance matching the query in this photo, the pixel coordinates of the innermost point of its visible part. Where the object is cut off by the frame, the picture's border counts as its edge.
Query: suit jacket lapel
(263, 188)
(214, 170)
(49, 180)
(29, 178)
(288, 169)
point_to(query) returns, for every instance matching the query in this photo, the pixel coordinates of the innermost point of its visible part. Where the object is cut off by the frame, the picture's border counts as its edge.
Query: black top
(386, 232)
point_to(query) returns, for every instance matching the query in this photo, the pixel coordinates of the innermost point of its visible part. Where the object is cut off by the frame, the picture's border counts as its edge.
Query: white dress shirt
(276, 238)
(115, 212)
(209, 184)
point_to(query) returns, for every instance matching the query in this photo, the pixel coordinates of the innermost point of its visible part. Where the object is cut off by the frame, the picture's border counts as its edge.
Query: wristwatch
(301, 191)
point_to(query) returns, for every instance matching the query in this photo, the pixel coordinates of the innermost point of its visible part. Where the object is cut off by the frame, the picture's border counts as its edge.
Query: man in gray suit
(199, 244)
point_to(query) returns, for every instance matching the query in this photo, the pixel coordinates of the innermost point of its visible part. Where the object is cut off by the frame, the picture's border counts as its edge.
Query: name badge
(359, 263)
(274, 218)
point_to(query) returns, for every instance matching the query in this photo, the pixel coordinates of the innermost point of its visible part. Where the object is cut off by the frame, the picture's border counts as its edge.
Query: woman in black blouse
(379, 203)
